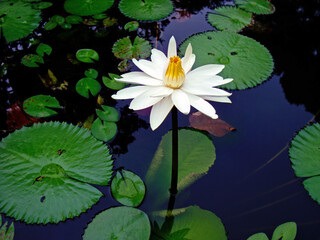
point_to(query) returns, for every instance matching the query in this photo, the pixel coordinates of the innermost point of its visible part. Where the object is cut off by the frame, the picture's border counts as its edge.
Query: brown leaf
(216, 127)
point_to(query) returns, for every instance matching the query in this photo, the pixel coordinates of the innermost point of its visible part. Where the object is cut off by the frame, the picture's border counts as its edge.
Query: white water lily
(168, 81)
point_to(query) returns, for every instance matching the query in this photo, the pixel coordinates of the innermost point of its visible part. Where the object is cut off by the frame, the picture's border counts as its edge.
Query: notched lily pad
(103, 130)
(43, 49)
(256, 6)
(87, 55)
(91, 73)
(258, 236)
(40, 106)
(285, 231)
(111, 83)
(87, 8)
(109, 114)
(131, 26)
(32, 60)
(86, 85)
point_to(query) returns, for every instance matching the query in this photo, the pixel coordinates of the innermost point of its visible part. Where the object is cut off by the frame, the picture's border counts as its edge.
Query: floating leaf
(109, 114)
(73, 19)
(216, 127)
(40, 106)
(258, 236)
(41, 5)
(147, 10)
(17, 19)
(6, 233)
(305, 157)
(31, 60)
(50, 25)
(121, 223)
(91, 73)
(197, 155)
(58, 19)
(87, 55)
(86, 85)
(246, 61)
(103, 131)
(256, 6)
(50, 165)
(43, 49)
(229, 18)
(131, 26)
(112, 83)
(124, 49)
(128, 188)
(108, 22)
(87, 8)
(100, 16)
(285, 231)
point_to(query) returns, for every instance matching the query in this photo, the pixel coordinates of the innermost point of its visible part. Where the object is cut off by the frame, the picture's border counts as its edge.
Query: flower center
(174, 77)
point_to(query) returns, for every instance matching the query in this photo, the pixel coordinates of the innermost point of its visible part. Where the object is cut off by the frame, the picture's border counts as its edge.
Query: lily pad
(121, 223)
(256, 6)
(229, 18)
(258, 236)
(87, 8)
(86, 85)
(104, 130)
(42, 5)
(124, 49)
(246, 61)
(111, 83)
(128, 188)
(32, 60)
(6, 233)
(131, 26)
(40, 106)
(285, 231)
(73, 19)
(91, 73)
(17, 19)
(196, 156)
(43, 49)
(305, 157)
(109, 114)
(51, 165)
(147, 10)
(87, 55)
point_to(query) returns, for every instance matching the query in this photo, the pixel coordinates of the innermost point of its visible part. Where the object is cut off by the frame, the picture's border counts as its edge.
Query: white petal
(159, 112)
(209, 81)
(153, 70)
(172, 48)
(205, 91)
(203, 106)
(181, 101)
(217, 99)
(188, 63)
(158, 57)
(140, 78)
(130, 92)
(206, 70)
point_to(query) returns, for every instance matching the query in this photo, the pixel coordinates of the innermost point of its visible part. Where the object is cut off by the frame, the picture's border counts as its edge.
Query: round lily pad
(87, 55)
(121, 223)
(31, 60)
(246, 61)
(43, 49)
(17, 19)
(131, 26)
(46, 170)
(124, 49)
(147, 10)
(40, 106)
(87, 8)
(111, 83)
(258, 236)
(229, 18)
(128, 188)
(86, 85)
(91, 73)
(305, 157)
(103, 130)
(256, 6)
(109, 114)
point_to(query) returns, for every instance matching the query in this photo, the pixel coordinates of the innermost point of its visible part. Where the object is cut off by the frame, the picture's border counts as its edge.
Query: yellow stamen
(174, 77)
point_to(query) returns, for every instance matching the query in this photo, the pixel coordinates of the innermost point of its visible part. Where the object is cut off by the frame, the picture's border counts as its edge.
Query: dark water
(251, 186)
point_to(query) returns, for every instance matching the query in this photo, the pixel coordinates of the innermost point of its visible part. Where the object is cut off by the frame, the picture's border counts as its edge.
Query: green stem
(174, 169)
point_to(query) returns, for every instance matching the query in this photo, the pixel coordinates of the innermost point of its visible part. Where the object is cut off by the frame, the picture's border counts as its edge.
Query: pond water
(251, 187)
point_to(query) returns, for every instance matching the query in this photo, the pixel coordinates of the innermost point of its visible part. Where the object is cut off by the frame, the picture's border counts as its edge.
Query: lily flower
(168, 81)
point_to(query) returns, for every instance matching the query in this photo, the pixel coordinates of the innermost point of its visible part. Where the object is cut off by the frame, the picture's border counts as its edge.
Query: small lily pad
(50, 25)
(87, 8)
(58, 19)
(109, 114)
(87, 55)
(124, 49)
(256, 6)
(104, 130)
(146, 10)
(43, 49)
(258, 236)
(121, 223)
(32, 60)
(128, 188)
(91, 73)
(285, 231)
(131, 26)
(246, 61)
(99, 16)
(229, 18)
(73, 19)
(86, 85)
(111, 83)
(40, 106)
(6, 233)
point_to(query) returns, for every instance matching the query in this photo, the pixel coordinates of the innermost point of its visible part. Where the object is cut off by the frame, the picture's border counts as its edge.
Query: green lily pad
(32, 60)
(256, 6)
(124, 49)
(285, 231)
(305, 157)
(40, 106)
(128, 188)
(131, 26)
(50, 25)
(17, 19)
(87, 8)
(87, 55)
(43, 49)
(192, 223)
(51, 165)
(91, 73)
(246, 61)
(147, 10)
(41, 5)
(6, 233)
(112, 83)
(86, 85)
(229, 18)
(109, 114)
(73, 19)
(196, 156)
(100, 16)
(58, 19)
(103, 131)
(121, 223)
(258, 236)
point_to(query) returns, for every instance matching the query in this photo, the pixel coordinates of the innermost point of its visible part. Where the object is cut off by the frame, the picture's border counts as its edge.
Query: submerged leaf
(86, 85)
(31, 60)
(73, 19)
(104, 130)
(40, 106)
(131, 26)
(87, 8)
(256, 6)
(87, 55)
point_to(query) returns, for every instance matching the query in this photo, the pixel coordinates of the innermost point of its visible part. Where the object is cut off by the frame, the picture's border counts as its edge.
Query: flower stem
(174, 169)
